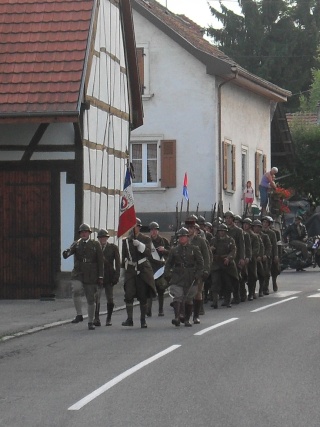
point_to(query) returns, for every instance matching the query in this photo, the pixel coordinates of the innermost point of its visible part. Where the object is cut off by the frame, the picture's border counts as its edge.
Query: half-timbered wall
(106, 122)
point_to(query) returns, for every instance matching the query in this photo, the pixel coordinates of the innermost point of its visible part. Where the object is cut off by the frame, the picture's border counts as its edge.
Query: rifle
(213, 213)
(197, 211)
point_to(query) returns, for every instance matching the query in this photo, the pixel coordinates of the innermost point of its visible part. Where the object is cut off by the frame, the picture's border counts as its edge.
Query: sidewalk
(21, 317)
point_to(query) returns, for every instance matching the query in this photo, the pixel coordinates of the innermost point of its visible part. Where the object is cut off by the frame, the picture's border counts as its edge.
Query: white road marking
(271, 305)
(314, 296)
(87, 399)
(216, 326)
(284, 294)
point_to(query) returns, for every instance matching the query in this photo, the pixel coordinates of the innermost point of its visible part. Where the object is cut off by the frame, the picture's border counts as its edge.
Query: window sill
(147, 96)
(229, 192)
(148, 189)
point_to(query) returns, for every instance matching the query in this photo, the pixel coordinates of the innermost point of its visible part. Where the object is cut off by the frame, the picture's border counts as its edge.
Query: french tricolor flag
(185, 187)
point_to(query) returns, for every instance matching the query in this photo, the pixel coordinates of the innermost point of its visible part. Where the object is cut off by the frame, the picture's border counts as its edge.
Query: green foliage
(308, 103)
(306, 177)
(274, 39)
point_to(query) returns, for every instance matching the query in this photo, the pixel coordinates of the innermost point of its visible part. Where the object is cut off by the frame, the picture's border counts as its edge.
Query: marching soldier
(160, 248)
(248, 256)
(202, 224)
(275, 266)
(183, 270)
(223, 269)
(87, 273)
(252, 265)
(196, 240)
(266, 222)
(111, 259)
(265, 255)
(136, 273)
(237, 234)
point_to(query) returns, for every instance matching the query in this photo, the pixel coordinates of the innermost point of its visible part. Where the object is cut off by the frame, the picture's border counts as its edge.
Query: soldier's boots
(187, 315)
(215, 298)
(129, 321)
(160, 298)
(91, 326)
(176, 308)
(143, 310)
(96, 320)
(196, 311)
(261, 290)
(149, 307)
(77, 319)
(274, 284)
(110, 307)
(227, 301)
(266, 287)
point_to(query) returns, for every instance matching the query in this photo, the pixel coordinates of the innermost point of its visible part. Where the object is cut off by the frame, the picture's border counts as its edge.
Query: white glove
(139, 245)
(122, 276)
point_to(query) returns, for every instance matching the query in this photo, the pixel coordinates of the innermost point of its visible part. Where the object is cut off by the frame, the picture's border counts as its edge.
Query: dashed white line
(271, 305)
(87, 399)
(216, 326)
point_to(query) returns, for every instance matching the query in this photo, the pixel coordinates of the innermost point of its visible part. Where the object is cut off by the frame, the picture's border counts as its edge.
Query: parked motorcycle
(292, 257)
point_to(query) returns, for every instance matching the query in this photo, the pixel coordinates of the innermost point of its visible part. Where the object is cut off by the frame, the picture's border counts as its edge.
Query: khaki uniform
(274, 253)
(222, 275)
(88, 268)
(237, 234)
(252, 266)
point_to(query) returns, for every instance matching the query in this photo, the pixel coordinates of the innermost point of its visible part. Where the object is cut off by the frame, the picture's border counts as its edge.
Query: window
(143, 66)
(244, 167)
(154, 162)
(261, 168)
(229, 166)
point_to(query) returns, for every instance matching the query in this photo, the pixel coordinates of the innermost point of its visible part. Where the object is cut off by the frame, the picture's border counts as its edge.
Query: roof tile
(42, 51)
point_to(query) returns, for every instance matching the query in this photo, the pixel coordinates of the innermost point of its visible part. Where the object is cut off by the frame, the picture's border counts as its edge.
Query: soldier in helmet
(136, 273)
(266, 222)
(196, 240)
(237, 234)
(203, 226)
(87, 273)
(252, 265)
(245, 224)
(160, 248)
(111, 259)
(263, 264)
(183, 270)
(223, 269)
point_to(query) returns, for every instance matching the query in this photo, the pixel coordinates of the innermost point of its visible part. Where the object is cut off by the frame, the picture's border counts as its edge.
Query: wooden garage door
(25, 240)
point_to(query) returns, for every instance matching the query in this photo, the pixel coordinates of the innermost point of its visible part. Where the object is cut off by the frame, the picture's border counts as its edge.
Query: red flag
(127, 218)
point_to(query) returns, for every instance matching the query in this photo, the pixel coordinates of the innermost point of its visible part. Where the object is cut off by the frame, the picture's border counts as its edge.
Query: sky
(198, 10)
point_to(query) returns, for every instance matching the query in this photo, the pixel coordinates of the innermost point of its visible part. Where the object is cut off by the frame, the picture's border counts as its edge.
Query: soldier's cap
(298, 217)
(103, 233)
(197, 226)
(153, 225)
(267, 218)
(84, 227)
(138, 222)
(183, 232)
(222, 227)
(229, 213)
(247, 221)
(201, 220)
(192, 219)
(208, 224)
(237, 218)
(257, 222)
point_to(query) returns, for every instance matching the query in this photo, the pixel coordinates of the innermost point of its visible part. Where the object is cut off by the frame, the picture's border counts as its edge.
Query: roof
(306, 118)
(43, 45)
(190, 36)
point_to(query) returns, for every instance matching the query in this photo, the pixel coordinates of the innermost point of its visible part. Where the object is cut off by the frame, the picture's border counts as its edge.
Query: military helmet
(247, 221)
(201, 220)
(183, 232)
(222, 227)
(257, 222)
(153, 225)
(229, 213)
(267, 218)
(192, 219)
(84, 227)
(103, 233)
(208, 224)
(138, 222)
(237, 218)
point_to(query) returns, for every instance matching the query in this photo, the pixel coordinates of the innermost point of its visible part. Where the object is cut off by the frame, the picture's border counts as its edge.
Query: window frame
(260, 169)
(144, 141)
(144, 74)
(229, 166)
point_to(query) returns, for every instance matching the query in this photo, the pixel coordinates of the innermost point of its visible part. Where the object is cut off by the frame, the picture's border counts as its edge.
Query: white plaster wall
(183, 108)
(245, 120)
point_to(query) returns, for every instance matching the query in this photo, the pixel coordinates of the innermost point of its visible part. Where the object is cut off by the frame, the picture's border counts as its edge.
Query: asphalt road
(256, 364)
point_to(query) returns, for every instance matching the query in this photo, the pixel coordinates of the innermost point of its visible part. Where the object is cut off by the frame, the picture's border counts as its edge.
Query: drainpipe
(234, 69)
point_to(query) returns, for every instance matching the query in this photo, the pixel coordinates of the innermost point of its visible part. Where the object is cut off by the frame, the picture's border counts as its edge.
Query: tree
(274, 39)
(306, 178)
